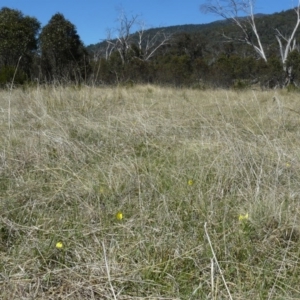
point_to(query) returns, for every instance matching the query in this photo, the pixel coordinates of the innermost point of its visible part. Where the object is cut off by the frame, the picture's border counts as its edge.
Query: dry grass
(170, 161)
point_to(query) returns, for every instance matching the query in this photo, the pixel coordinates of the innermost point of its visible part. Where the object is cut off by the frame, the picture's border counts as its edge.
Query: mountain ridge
(187, 28)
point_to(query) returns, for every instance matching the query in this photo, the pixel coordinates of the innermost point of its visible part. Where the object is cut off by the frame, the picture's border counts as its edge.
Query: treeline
(29, 53)
(186, 61)
(56, 54)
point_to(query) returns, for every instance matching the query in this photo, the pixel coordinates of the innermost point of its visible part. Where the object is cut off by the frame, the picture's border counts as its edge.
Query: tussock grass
(171, 161)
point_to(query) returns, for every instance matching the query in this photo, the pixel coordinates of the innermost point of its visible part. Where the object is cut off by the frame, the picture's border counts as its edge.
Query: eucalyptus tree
(18, 41)
(63, 54)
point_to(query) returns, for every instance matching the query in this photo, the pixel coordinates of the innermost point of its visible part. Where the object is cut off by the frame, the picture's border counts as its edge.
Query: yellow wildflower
(243, 217)
(119, 215)
(59, 245)
(190, 182)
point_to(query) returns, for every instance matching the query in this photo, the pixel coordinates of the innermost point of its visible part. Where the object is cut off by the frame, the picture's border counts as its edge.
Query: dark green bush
(8, 75)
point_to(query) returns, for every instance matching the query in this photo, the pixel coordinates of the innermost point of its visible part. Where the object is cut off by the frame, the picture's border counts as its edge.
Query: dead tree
(287, 45)
(234, 11)
(148, 44)
(126, 38)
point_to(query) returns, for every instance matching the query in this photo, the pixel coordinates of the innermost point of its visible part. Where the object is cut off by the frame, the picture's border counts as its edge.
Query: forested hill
(213, 32)
(171, 30)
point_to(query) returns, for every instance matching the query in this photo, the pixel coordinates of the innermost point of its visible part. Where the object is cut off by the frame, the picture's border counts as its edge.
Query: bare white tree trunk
(149, 45)
(290, 42)
(234, 10)
(146, 43)
(110, 45)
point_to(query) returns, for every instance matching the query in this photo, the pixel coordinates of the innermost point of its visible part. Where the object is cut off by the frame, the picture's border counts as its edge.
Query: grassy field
(206, 184)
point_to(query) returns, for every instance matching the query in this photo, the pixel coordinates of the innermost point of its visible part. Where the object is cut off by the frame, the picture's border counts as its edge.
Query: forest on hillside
(222, 54)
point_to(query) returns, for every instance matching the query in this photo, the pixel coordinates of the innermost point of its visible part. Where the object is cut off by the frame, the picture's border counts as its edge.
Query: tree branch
(230, 11)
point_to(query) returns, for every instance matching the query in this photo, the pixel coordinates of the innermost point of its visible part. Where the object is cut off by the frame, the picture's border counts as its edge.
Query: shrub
(7, 75)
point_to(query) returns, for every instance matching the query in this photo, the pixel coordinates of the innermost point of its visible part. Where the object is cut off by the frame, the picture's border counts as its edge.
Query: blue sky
(92, 18)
